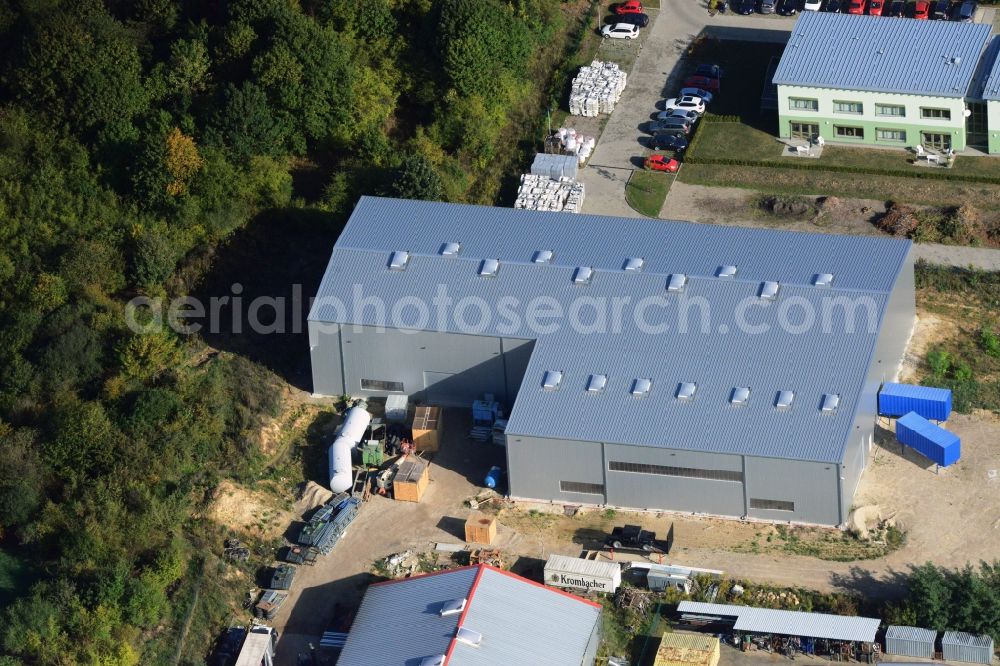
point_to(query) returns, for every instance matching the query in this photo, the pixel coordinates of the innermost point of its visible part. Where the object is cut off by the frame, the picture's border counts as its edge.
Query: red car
(856, 7)
(875, 7)
(922, 10)
(661, 163)
(629, 7)
(703, 82)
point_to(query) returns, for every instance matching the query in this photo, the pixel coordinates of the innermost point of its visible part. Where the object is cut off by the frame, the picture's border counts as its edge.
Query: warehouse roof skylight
(452, 607)
(552, 380)
(489, 268)
(726, 272)
(469, 637)
(642, 387)
(677, 282)
(686, 390)
(597, 383)
(769, 290)
(435, 660)
(823, 279)
(398, 260)
(583, 275)
(451, 249)
(633, 264)
(785, 399)
(830, 402)
(542, 257)
(740, 395)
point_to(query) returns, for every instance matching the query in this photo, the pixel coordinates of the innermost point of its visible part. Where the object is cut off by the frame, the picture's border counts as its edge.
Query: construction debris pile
(596, 89)
(542, 193)
(400, 565)
(567, 141)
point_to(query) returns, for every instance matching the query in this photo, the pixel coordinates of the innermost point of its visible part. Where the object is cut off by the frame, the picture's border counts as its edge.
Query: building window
(893, 135)
(771, 505)
(940, 114)
(845, 132)
(807, 131)
(935, 140)
(381, 385)
(848, 107)
(894, 110)
(803, 104)
(581, 487)
(663, 470)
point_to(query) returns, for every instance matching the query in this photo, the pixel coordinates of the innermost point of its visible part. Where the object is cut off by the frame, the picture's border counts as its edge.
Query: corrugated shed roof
(726, 353)
(515, 617)
(881, 54)
(582, 566)
(911, 633)
(789, 623)
(970, 640)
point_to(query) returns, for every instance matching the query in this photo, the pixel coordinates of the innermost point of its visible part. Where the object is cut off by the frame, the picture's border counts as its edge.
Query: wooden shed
(480, 528)
(427, 428)
(687, 650)
(411, 479)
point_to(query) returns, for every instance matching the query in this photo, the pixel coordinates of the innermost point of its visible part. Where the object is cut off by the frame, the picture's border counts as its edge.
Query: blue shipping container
(933, 441)
(927, 401)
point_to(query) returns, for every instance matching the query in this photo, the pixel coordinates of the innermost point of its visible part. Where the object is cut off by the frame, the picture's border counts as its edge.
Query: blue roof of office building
(990, 72)
(882, 54)
(400, 621)
(724, 346)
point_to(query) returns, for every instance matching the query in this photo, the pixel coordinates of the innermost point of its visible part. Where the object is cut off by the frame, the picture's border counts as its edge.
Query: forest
(136, 136)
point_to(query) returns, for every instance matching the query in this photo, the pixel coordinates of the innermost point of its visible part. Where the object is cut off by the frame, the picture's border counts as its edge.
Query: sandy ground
(249, 512)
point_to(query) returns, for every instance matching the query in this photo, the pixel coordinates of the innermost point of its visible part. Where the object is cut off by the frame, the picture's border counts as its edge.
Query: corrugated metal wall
(811, 486)
(537, 465)
(324, 354)
(910, 642)
(972, 648)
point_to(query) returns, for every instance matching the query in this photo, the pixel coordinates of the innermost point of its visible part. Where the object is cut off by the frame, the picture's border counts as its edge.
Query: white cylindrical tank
(348, 435)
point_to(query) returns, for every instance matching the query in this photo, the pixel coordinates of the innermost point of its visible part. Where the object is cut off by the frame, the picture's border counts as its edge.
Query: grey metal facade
(910, 641)
(972, 648)
(704, 455)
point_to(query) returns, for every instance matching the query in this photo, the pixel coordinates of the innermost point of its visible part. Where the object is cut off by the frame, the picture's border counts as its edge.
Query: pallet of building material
(596, 89)
(338, 526)
(490, 556)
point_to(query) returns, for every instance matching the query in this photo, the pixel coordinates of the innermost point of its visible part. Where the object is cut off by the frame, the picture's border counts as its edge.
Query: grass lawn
(778, 180)
(736, 140)
(646, 191)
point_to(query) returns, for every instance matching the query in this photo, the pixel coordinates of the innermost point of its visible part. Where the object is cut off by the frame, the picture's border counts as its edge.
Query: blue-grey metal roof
(882, 54)
(515, 617)
(789, 623)
(916, 634)
(989, 72)
(724, 355)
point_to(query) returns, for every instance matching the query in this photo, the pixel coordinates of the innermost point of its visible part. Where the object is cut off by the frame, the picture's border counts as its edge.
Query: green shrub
(990, 341)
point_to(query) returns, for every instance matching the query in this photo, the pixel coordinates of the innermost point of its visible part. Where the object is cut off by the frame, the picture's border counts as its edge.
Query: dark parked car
(670, 125)
(641, 20)
(709, 71)
(834, 6)
(745, 7)
(940, 9)
(766, 6)
(897, 8)
(633, 537)
(665, 141)
(964, 12)
(788, 7)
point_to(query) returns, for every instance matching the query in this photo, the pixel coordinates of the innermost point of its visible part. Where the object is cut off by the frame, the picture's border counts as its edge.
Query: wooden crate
(411, 480)
(480, 528)
(427, 428)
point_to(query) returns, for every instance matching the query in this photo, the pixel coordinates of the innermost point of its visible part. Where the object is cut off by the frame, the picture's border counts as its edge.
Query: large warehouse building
(647, 364)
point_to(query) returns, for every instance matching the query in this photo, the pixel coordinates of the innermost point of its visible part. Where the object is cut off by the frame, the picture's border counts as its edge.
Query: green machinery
(373, 444)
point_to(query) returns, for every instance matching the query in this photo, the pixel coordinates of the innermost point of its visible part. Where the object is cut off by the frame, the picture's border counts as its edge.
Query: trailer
(282, 577)
(580, 574)
(300, 555)
(269, 603)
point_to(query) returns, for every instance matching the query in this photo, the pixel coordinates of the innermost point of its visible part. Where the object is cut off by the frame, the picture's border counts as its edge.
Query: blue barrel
(493, 477)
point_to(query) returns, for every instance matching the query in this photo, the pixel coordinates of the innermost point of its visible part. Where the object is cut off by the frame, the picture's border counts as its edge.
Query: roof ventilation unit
(641, 387)
(552, 379)
(686, 391)
(830, 403)
(726, 272)
(633, 264)
(769, 290)
(785, 399)
(399, 260)
(583, 275)
(740, 395)
(452, 607)
(597, 383)
(823, 279)
(436, 660)
(451, 249)
(676, 282)
(542, 257)
(489, 268)
(469, 637)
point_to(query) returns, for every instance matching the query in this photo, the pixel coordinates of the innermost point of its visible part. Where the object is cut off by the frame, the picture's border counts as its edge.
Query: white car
(705, 96)
(684, 114)
(620, 31)
(812, 5)
(688, 103)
